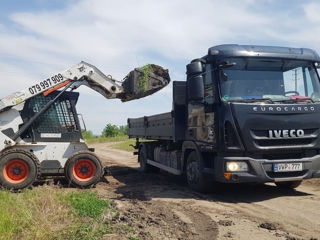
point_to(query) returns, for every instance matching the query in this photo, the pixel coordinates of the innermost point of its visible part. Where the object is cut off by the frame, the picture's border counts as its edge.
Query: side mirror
(317, 65)
(195, 89)
(195, 83)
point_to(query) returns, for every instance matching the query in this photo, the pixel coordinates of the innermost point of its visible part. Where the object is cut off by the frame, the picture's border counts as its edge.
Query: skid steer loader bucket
(144, 81)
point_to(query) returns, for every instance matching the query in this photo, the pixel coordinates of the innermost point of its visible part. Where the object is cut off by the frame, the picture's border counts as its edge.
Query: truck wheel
(144, 166)
(18, 169)
(83, 169)
(288, 185)
(195, 177)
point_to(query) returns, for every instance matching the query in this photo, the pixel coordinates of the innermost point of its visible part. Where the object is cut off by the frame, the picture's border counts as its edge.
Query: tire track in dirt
(230, 212)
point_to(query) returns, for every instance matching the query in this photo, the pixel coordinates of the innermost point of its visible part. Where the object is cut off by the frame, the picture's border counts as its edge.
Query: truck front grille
(286, 174)
(261, 139)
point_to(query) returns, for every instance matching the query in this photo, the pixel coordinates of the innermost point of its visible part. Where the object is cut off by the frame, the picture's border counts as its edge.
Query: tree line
(110, 130)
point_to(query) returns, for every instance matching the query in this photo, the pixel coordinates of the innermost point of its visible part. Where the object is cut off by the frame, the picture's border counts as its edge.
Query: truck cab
(247, 114)
(260, 111)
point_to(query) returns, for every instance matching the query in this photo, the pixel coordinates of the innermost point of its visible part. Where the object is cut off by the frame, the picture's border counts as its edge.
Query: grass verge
(107, 139)
(125, 145)
(52, 214)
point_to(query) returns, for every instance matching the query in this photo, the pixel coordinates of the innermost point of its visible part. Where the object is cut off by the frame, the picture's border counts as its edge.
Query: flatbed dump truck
(245, 114)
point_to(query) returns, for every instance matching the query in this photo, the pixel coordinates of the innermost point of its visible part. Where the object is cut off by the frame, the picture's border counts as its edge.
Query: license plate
(287, 167)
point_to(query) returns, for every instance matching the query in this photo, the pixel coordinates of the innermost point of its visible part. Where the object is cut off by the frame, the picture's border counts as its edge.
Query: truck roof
(235, 50)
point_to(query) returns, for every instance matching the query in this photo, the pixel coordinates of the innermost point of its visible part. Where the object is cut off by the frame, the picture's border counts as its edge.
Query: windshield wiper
(295, 100)
(251, 100)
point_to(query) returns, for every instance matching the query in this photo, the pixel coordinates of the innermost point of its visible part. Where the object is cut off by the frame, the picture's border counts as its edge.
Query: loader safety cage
(58, 124)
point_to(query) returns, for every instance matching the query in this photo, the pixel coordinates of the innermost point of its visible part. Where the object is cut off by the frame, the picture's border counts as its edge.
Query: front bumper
(261, 170)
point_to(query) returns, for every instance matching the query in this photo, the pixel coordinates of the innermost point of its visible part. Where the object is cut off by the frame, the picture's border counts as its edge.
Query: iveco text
(286, 133)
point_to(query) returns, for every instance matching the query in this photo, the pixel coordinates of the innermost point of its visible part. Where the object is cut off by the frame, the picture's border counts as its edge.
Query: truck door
(201, 103)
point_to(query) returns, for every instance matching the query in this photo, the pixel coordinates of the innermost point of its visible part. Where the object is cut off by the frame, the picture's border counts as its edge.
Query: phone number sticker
(46, 84)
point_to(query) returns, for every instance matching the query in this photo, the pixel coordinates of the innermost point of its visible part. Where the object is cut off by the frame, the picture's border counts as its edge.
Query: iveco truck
(245, 114)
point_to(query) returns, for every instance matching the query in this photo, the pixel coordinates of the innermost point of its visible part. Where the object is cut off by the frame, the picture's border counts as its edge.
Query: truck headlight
(237, 167)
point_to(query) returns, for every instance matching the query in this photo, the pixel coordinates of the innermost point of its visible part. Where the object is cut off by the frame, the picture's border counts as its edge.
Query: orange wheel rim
(84, 170)
(16, 171)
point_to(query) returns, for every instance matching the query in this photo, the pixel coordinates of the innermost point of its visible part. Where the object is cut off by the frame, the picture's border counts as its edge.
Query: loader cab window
(65, 115)
(59, 121)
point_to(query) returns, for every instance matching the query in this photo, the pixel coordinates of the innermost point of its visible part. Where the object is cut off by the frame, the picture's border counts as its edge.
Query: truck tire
(18, 169)
(195, 177)
(288, 185)
(142, 158)
(83, 169)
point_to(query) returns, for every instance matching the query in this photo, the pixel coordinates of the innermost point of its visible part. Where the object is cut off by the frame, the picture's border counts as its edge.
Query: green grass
(107, 139)
(87, 204)
(143, 80)
(84, 231)
(30, 214)
(125, 145)
(122, 142)
(54, 214)
(133, 238)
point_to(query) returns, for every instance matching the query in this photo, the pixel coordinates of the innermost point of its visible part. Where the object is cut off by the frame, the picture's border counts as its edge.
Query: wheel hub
(84, 170)
(16, 170)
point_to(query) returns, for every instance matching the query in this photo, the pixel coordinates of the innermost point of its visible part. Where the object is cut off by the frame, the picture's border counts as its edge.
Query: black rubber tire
(142, 158)
(69, 169)
(28, 158)
(195, 177)
(289, 184)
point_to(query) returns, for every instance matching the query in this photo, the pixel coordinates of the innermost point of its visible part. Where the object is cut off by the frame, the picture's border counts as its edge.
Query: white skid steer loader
(40, 134)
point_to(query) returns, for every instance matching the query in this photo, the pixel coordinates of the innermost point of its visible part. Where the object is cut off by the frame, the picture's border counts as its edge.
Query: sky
(39, 38)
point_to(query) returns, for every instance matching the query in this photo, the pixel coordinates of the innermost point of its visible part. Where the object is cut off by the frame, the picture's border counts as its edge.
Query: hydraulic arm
(138, 83)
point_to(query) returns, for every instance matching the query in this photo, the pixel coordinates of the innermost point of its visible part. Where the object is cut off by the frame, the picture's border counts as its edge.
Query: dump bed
(158, 126)
(165, 126)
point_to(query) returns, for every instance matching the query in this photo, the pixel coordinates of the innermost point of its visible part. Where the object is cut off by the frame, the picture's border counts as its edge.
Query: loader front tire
(18, 169)
(83, 169)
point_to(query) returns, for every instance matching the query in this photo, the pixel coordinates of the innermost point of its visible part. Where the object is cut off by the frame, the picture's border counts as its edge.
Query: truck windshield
(268, 79)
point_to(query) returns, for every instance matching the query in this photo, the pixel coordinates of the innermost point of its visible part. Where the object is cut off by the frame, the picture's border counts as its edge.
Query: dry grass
(32, 214)
(125, 145)
(50, 213)
(107, 139)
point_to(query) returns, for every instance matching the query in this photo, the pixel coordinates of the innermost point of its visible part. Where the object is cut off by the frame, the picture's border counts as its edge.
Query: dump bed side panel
(155, 127)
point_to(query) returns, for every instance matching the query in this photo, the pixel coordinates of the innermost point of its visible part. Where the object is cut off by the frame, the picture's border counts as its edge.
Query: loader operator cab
(59, 123)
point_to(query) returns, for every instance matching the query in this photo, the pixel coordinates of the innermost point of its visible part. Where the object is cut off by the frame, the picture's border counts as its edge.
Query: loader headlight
(237, 167)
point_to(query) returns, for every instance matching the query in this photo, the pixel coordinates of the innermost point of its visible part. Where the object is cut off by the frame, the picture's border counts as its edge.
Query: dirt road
(161, 206)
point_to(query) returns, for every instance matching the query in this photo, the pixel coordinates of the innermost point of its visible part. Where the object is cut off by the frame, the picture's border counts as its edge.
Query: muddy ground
(161, 206)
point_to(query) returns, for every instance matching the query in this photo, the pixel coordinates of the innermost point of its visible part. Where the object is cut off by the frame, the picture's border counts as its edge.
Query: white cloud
(312, 11)
(13, 78)
(106, 30)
